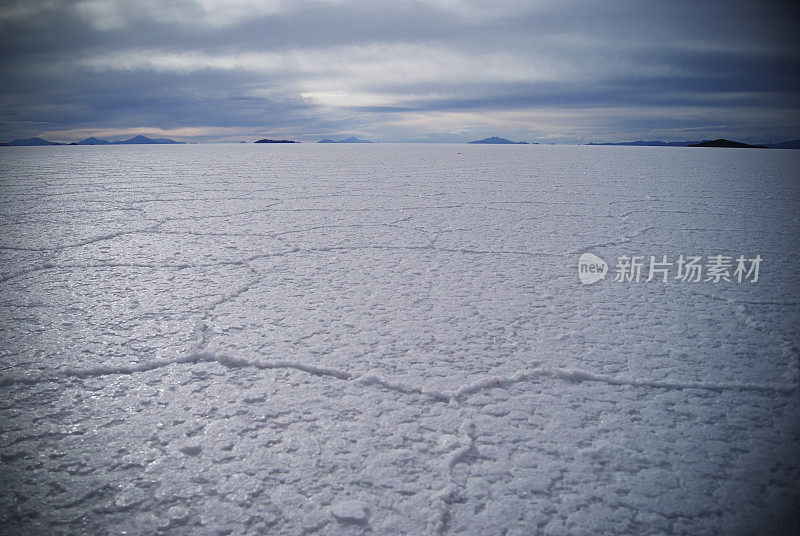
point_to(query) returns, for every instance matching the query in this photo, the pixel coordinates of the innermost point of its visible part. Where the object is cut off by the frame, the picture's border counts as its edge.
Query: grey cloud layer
(436, 70)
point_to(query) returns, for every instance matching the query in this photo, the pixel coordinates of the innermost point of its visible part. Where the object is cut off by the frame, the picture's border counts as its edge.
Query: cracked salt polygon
(349, 511)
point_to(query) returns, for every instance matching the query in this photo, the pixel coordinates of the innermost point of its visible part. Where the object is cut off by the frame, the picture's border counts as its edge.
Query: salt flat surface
(392, 339)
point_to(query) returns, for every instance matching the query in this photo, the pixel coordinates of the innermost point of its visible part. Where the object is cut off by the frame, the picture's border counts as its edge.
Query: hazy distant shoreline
(494, 140)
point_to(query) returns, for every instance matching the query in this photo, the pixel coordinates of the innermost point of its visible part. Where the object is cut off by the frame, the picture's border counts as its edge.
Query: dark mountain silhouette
(496, 140)
(94, 141)
(347, 140)
(136, 140)
(275, 141)
(27, 142)
(792, 144)
(726, 143)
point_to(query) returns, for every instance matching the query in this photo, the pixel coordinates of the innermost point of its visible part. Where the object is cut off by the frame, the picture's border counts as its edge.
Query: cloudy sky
(436, 70)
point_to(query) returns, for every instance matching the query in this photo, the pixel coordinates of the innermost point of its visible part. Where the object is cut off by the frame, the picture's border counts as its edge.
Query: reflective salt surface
(392, 339)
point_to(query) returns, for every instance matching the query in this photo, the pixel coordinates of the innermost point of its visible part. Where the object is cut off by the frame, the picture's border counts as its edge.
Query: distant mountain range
(136, 140)
(144, 140)
(793, 144)
(347, 140)
(496, 140)
(727, 143)
(31, 142)
(93, 141)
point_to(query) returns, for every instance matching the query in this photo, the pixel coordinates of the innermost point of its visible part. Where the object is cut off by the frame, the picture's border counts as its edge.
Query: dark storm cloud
(442, 69)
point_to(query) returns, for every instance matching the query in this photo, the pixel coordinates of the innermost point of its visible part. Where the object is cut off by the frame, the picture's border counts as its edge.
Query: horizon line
(170, 141)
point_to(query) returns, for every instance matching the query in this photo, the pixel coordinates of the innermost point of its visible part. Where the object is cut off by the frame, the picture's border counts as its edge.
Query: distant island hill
(326, 140)
(346, 140)
(494, 140)
(792, 144)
